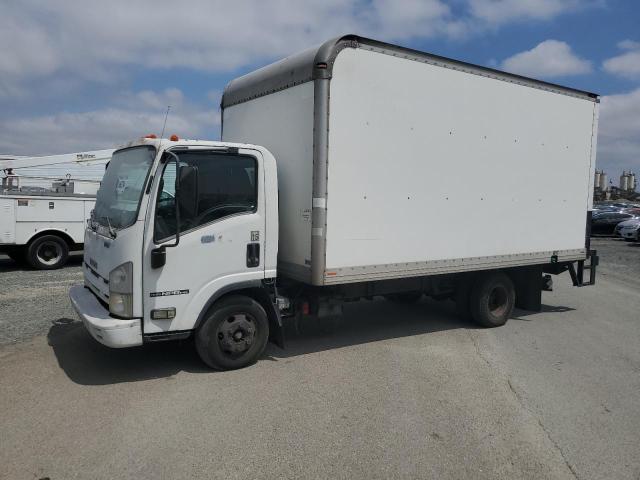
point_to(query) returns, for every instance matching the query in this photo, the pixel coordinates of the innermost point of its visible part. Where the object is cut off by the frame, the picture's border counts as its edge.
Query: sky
(95, 74)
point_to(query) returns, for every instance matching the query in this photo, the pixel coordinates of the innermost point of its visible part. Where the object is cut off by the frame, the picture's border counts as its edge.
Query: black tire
(492, 299)
(47, 252)
(234, 333)
(404, 297)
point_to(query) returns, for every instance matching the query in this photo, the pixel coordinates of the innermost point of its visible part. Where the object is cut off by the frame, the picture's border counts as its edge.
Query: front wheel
(492, 299)
(234, 334)
(47, 252)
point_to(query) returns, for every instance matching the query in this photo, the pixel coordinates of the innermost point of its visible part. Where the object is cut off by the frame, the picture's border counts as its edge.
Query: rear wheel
(492, 299)
(234, 334)
(47, 252)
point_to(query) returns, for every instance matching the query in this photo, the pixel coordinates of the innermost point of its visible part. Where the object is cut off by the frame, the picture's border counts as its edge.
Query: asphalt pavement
(393, 392)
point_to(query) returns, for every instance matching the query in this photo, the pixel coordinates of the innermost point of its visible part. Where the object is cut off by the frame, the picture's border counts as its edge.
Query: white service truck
(349, 171)
(43, 219)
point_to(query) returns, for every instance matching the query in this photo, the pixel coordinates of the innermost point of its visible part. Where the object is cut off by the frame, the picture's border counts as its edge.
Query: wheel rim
(236, 334)
(49, 253)
(498, 301)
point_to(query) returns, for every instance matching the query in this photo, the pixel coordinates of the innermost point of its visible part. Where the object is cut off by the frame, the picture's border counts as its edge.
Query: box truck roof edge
(317, 63)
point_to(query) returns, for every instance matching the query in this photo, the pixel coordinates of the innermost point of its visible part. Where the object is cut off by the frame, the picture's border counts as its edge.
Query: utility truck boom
(19, 162)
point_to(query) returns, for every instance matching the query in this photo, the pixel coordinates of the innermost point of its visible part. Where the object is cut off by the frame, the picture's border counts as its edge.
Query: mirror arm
(159, 254)
(176, 198)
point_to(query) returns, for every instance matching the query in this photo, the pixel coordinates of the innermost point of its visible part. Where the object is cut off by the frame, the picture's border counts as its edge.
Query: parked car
(630, 230)
(607, 209)
(605, 222)
(619, 227)
(612, 205)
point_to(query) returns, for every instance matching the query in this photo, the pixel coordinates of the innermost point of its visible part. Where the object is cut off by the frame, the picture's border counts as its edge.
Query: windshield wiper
(112, 231)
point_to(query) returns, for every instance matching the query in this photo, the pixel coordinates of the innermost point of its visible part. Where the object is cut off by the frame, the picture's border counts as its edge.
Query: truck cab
(183, 230)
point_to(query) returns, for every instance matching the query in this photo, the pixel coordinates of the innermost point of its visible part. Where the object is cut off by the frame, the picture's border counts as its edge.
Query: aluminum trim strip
(320, 203)
(320, 166)
(438, 267)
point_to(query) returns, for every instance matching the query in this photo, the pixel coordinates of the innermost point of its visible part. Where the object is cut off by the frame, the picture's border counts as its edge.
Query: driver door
(221, 238)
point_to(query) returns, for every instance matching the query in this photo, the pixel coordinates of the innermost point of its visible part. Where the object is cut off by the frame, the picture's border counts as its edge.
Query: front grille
(96, 291)
(92, 280)
(96, 274)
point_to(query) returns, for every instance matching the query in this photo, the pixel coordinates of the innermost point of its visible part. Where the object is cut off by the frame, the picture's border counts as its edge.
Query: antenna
(165, 121)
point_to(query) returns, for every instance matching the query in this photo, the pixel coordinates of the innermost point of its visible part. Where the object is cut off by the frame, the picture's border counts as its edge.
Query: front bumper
(109, 331)
(629, 234)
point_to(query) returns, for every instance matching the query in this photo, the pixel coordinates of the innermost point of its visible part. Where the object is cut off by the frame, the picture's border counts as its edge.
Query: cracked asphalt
(393, 392)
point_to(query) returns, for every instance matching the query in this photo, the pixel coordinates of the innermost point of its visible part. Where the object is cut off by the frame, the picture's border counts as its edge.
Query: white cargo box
(396, 163)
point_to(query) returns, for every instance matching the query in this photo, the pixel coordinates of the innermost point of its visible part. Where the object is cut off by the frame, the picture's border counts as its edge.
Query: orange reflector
(151, 135)
(331, 274)
(174, 138)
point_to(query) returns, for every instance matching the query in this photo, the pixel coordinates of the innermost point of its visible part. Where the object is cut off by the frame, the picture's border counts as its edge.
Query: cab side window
(226, 185)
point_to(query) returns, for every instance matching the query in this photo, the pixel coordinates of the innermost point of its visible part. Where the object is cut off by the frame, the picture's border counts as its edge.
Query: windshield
(120, 192)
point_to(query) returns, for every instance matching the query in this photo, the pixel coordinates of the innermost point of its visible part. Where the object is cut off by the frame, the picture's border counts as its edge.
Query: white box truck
(42, 219)
(352, 170)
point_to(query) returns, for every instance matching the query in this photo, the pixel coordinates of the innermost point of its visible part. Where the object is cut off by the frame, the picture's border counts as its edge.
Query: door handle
(253, 254)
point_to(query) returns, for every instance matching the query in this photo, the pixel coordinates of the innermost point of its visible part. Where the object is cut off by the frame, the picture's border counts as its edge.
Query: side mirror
(188, 187)
(158, 257)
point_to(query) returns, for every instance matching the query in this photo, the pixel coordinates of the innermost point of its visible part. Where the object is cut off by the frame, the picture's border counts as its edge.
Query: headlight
(121, 291)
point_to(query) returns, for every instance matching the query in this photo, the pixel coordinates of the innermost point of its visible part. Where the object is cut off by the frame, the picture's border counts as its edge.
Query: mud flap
(528, 282)
(276, 329)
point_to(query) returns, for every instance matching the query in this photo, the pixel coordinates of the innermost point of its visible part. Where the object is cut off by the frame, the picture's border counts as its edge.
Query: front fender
(259, 292)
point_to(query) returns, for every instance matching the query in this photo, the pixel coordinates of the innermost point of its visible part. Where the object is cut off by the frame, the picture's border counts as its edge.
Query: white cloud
(56, 51)
(548, 59)
(627, 64)
(629, 45)
(91, 38)
(132, 115)
(98, 41)
(390, 19)
(498, 12)
(619, 133)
